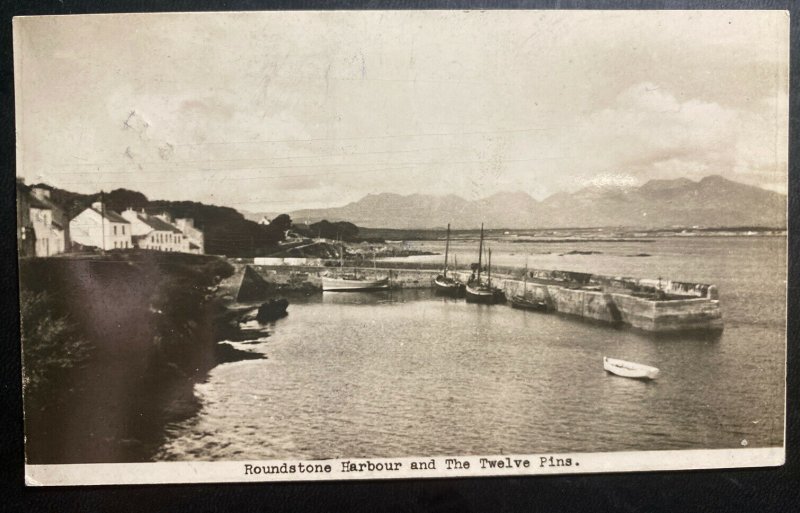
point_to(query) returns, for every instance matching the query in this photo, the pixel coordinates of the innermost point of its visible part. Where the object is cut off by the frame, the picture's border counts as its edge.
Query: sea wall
(591, 301)
(613, 300)
(279, 278)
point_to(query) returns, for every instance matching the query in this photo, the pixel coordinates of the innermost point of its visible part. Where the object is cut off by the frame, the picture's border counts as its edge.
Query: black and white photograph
(334, 245)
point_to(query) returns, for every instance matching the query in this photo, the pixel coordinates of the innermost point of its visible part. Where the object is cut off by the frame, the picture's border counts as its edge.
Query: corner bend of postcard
(321, 245)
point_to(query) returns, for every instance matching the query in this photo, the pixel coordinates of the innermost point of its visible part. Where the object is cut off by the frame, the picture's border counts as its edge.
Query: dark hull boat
(476, 291)
(484, 294)
(526, 303)
(447, 285)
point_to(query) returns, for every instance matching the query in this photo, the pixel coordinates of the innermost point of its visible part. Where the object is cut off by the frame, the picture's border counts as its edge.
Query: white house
(48, 223)
(101, 228)
(153, 232)
(159, 233)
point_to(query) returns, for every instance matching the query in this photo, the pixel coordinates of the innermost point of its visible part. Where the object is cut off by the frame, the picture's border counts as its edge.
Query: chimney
(41, 193)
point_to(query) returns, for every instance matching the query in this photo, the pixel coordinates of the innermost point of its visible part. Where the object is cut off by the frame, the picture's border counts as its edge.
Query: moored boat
(444, 284)
(524, 301)
(527, 303)
(628, 369)
(482, 294)
(448, 286)
(351, 282)
(478, 292)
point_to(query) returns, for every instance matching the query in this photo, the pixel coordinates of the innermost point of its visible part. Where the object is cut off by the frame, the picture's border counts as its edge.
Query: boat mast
(525, 279)
(341, 254)
(446, 249)
(490, 267)
(480, 253)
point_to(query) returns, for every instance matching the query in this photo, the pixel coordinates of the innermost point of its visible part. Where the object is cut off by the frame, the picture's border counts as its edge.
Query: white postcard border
(378, 468)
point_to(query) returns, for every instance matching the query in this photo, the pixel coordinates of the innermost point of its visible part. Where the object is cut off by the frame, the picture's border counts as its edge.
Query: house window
(115, 230)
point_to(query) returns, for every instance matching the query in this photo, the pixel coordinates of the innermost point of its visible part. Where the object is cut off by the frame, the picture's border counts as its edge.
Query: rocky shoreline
(144, 351)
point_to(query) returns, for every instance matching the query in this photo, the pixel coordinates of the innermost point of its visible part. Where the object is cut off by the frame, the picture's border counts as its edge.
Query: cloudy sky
(278, 111)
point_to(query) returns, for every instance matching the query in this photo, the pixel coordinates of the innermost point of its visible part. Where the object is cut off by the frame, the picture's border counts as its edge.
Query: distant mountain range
(714, 201)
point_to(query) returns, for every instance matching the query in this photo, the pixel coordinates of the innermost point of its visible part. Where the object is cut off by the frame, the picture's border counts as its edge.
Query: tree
(276, 230)
(327, 230)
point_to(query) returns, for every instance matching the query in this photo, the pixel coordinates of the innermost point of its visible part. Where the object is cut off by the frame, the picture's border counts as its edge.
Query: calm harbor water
(403, 374)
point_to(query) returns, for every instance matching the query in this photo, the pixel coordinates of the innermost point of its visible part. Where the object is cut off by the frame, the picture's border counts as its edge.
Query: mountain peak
(660, 185)
(712, 179)
(713, 201)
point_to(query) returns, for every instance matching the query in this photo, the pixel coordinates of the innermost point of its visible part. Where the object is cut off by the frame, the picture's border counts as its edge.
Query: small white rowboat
(629, 369)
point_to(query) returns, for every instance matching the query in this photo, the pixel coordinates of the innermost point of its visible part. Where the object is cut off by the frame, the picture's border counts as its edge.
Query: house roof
(111, 216)
(159, 224)
(35, 202)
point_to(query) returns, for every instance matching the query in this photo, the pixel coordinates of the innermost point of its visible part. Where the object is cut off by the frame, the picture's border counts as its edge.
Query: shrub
(51, 346)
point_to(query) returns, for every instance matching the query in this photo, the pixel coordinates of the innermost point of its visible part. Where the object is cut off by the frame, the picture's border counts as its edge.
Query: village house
(160, 233)
(42, 228)
(49, 224)
(100, 227)
(154, 232)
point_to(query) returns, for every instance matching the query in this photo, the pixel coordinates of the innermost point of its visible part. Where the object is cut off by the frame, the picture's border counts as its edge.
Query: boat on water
(351, 282)
(628, 369)
(444, 284)
(527, 303)
(524, 301)
(477, 291)
(347, 283)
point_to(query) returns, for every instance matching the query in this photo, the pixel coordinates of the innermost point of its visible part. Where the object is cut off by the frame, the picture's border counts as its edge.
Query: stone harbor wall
(613, 300)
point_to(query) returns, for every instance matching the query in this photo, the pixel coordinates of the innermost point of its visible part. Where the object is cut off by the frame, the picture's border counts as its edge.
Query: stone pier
(652, 305)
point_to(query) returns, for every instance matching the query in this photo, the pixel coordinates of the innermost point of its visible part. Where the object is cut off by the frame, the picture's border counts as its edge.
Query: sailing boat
(523, 301)
(477, 292)
(447, 284)
(351, 282)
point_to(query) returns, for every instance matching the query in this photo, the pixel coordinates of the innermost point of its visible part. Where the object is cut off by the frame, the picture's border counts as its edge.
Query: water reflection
(358, 297)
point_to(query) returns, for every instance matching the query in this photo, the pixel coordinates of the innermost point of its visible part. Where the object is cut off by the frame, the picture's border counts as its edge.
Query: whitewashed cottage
(155, 232)
(49, 223)
(101, 228)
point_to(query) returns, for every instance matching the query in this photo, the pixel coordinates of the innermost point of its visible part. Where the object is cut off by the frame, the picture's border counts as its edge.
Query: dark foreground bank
(112, 348)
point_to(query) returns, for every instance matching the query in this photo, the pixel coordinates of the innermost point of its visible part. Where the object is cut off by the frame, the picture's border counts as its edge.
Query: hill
(712, 201)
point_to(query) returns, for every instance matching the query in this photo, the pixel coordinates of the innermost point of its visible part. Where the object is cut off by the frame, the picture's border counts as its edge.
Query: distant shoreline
(516, 237)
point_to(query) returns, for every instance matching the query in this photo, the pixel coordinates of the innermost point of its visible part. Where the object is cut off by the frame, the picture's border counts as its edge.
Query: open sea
(394, 374)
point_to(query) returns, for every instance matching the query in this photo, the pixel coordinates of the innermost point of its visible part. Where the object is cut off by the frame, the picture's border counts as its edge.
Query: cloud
(648, 132)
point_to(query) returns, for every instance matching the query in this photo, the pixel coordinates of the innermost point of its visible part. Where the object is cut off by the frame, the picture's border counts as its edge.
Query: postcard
(332, 245)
